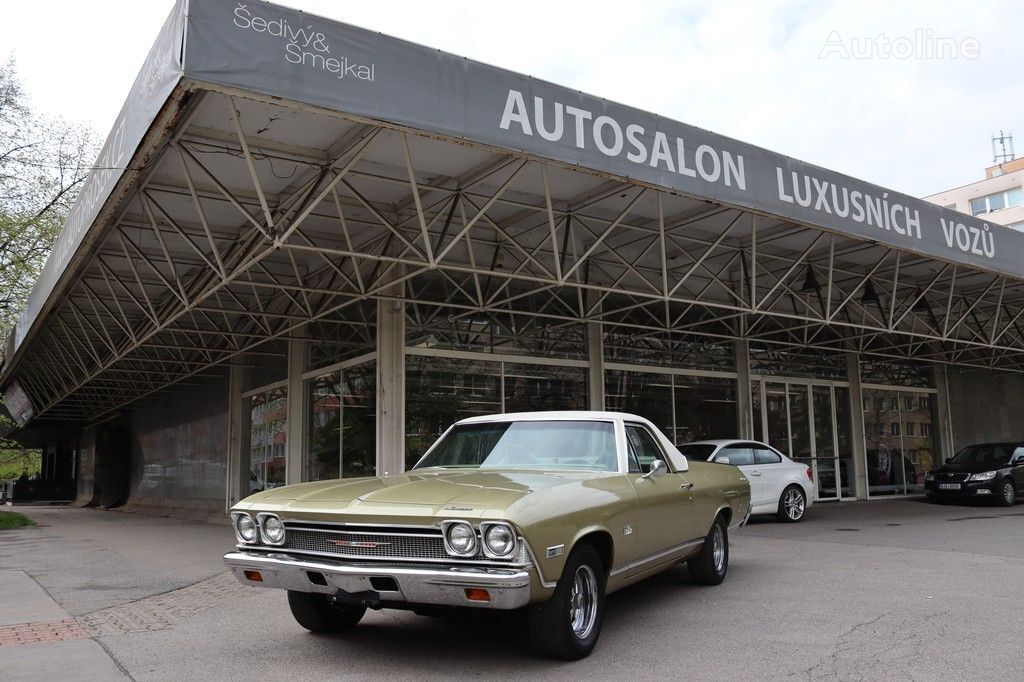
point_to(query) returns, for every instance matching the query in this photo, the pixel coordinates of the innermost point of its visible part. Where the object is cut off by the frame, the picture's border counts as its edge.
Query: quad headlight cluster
(497, 539)
(249, 530)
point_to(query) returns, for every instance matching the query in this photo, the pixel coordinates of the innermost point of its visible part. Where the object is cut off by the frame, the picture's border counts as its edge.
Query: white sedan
(778, 485)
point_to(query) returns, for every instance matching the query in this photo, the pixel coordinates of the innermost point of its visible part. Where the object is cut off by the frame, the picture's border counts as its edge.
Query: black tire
(320, 613)
(558, 629)
(1007, 494)
(792, 510)
(710, 566)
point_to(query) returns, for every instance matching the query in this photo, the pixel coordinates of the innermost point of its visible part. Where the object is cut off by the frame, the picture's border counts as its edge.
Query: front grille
(362, 543)
(951, 477)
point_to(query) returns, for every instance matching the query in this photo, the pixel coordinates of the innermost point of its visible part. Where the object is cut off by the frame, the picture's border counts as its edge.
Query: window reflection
(341, 435)
(268, 438)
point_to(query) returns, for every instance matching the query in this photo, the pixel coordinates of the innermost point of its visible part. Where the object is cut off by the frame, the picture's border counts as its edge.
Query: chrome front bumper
(508, 588)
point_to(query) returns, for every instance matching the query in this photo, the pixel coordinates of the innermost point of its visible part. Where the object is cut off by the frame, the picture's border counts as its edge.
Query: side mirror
(1018, 459)
(948, 460)
(658, 469)
(722, 460)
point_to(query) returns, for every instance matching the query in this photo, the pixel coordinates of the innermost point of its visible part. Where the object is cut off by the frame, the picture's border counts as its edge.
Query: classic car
(993, 471)
(778, 485)
(546, 511)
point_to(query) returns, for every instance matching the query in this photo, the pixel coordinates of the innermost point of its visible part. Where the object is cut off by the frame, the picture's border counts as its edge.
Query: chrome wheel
(1009, 493)
(793, 503)
(583, 601)
(718, 548)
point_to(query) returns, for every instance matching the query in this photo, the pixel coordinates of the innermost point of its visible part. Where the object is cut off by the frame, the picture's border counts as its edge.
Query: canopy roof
(271, 168)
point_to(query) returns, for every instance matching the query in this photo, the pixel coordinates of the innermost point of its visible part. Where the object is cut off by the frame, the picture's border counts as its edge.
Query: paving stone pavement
(165, 610)
(45, 631)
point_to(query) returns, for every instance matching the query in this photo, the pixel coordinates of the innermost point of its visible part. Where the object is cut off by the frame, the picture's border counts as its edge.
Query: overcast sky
(828, 83)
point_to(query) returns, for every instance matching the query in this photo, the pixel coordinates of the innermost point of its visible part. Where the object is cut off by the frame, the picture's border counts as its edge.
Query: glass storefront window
(644, 393)
(706, 408)
(495, 333)
(532, 388)
(895, 372)
(341, 435)
(686, 408)
(668, 350)
(334, 341)
(440, 391)
(899, 442)
(793, 362)
(268, 438)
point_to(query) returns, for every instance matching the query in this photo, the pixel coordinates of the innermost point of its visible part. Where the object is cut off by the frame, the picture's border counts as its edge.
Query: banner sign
(289, 54)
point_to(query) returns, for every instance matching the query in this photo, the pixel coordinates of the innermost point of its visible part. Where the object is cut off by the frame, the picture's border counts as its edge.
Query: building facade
(999, 198)
(305, 266)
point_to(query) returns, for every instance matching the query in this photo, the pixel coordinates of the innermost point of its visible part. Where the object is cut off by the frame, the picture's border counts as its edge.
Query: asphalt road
(893, 589)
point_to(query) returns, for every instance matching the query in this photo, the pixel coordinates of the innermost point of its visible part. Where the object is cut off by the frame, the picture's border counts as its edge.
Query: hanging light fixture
(810, 282)
(869, 295)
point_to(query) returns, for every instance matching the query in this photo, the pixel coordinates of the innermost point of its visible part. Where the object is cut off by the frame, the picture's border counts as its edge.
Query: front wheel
(710, 566)
(792, 504)
(567, 625)
(1007, 494)
(322, 613)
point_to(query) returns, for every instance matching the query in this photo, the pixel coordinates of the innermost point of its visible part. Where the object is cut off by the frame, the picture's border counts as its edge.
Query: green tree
(43, 162)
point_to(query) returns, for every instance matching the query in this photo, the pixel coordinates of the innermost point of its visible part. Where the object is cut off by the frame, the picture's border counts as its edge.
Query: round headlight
(499, 540)
(273, 530)
(245, 528)
(461, 538)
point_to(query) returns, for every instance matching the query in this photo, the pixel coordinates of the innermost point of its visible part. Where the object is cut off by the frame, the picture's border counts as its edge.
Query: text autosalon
(611, 139)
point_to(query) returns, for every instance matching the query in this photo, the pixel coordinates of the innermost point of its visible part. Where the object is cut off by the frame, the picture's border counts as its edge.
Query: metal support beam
(391, 385)
(294, 470)
(857, 442)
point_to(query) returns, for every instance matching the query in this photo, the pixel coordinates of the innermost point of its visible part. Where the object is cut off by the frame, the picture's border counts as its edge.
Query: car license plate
(949, 486)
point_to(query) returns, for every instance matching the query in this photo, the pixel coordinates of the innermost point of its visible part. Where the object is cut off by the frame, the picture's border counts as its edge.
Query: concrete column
(390, 386)
(595, 355)
(943, 430)
(237, 456)
(860, 463)
(296, 428)
(745, 416)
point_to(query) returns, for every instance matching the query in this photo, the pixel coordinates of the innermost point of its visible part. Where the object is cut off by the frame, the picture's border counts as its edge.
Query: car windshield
(697, 450)
(527, 445)
(998, 453)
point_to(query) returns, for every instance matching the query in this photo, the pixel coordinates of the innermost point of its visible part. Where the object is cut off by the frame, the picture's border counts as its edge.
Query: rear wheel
(322, 613)
(792, 504)
(567, 625)
(1007, 494)
(710, 566)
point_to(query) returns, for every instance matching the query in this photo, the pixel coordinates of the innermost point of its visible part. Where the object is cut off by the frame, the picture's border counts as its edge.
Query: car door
(742, 455)
(775, 475)
(665, 517)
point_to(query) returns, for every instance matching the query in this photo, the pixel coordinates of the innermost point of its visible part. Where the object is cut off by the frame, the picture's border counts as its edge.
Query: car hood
(970, 468)
(430, 492)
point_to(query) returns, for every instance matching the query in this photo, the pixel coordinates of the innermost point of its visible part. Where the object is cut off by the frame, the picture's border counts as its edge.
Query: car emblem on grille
(359, 544)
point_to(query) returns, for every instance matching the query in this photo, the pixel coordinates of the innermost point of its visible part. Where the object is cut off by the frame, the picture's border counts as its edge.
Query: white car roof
(554, 415)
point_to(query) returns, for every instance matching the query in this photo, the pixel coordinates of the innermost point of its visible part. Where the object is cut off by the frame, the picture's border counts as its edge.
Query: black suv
(988, 470)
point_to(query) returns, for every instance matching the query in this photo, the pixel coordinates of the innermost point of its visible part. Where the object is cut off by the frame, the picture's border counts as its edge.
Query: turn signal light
(810, 476)
(253, 576)
(477, 594)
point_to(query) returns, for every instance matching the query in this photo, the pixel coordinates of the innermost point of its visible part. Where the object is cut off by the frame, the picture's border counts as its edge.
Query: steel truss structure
(256, 217)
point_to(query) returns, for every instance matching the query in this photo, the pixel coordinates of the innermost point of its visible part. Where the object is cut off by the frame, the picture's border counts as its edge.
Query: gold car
(548, 511)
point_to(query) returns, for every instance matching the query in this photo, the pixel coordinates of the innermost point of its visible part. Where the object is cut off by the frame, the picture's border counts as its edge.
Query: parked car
(548, 511)
(986, 471)
(778, 485)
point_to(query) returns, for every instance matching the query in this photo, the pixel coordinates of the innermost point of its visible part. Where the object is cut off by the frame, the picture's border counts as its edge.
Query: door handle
(755, 473)
(686, 486)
